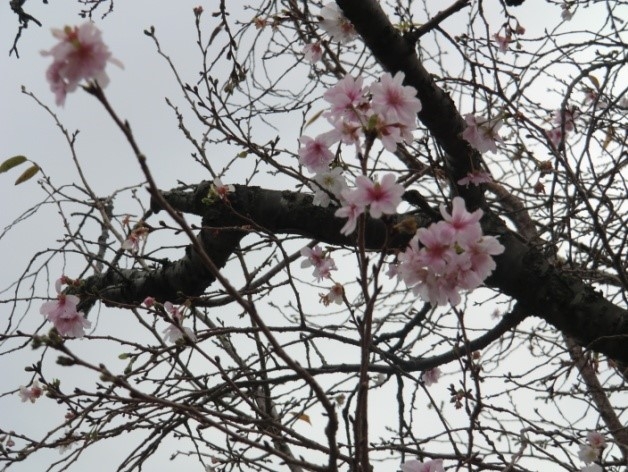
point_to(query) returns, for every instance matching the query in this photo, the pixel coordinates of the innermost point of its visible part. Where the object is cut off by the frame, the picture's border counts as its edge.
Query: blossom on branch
(381, 197)
(336, 24)
(175, 331)
(31, 393)
(430, 377)
(322, 263)
(329, 182)
(453, 255)
(313, 52)
(80, 55)
(314, 154)
(395, 101)
(63, 314)
(481, 133)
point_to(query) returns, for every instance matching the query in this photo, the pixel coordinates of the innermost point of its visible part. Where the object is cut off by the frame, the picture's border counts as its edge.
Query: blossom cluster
(387, 110)
(449, 256)
(591, 451)
(80, 55)
(63, 313)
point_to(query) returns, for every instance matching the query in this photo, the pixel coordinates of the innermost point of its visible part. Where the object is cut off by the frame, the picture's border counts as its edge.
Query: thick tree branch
(523, 272)
(439, 113)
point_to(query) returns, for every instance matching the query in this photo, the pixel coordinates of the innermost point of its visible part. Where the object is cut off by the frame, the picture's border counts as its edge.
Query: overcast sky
(137, 93)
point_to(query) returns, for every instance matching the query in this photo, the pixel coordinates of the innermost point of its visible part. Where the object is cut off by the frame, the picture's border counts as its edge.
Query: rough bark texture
(523, 272)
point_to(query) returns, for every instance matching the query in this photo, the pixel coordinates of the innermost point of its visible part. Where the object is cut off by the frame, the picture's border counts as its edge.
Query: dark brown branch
(523, 272)
(439, 113)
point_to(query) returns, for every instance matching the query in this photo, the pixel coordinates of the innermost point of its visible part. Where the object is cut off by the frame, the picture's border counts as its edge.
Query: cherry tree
(404, 246)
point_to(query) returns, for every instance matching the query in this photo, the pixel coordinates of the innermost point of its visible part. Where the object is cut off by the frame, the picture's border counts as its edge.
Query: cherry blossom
(313, 52)
(315, 155)
(221, 190)
(346, 97)
(448, 256)
(63, 314)
(149, 302)
(80, 55)
(481, 133)
(502, 41)
(322, 263)
(31, 393)
(390, 132)
(430, 377)
(175, 332)
(381, 197)
(429, 466)
(132, 242)
(476, 178)
(466, 225)
(329, 182)
(335, 295)
(555, 136)
(596, 440)
(351, 210)
(336, 24)
(395, 101)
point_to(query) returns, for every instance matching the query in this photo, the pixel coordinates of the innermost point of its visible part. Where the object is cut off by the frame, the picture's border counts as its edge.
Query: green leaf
(12, 162)
(27, 174)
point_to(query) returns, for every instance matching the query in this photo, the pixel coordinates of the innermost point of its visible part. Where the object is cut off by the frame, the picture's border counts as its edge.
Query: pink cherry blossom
(314, 154)
(502, 41)
(335, 295)
(438, 249)
(390, 132)
(430, 377)
(481, 133)
(31, 393)
(351, 210)
(322, 263)
(221, 190)
(133, 240)
(429, 466)
(63, 314)
(346, 97)
(381, 197)
(555, 136)
(395, 101)
(448, 257)
(345, 130)
(80, 55)
(174, 332)
(476, 178)
(149, 302)
(596, 439)
(336, 24)
(466, 225)
(313, 52)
